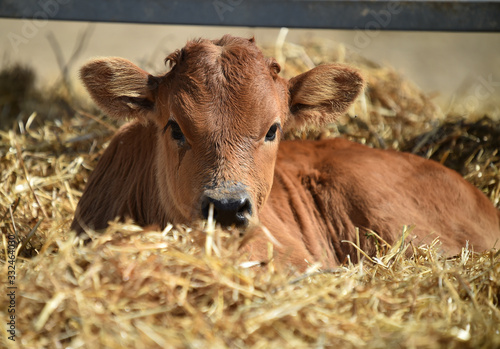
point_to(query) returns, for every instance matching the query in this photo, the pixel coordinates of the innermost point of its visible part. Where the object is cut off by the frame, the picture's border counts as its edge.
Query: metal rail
(468, 15)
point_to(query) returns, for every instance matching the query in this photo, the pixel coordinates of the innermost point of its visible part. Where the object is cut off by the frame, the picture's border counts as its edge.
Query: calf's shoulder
(123, 184)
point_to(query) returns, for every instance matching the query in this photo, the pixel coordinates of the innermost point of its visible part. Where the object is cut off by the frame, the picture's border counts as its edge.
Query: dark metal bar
(479, 15)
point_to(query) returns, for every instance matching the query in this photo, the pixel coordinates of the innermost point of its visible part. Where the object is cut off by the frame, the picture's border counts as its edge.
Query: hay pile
(143, 289)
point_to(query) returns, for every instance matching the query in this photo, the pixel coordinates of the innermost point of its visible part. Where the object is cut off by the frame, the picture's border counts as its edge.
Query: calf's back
(324, 190)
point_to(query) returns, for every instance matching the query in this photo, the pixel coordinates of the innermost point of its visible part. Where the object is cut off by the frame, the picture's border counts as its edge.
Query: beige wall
(443, 62)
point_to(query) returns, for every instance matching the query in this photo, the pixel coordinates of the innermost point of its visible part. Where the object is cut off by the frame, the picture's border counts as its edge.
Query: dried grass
(189, 286)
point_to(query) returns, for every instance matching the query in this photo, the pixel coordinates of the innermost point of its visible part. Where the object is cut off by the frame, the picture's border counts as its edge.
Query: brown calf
(209, 132)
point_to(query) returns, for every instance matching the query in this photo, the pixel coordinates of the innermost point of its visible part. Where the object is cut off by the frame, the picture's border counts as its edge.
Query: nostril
(205, 208)
(245, 207)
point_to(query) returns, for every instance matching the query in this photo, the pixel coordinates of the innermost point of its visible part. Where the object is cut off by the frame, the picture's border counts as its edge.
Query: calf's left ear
(120, 88)
(320, 95)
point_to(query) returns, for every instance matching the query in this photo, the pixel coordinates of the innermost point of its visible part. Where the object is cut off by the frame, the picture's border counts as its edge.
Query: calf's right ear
(120, 88)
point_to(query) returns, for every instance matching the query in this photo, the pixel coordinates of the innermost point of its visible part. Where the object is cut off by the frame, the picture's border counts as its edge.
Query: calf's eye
(271, 134)
(175, 131)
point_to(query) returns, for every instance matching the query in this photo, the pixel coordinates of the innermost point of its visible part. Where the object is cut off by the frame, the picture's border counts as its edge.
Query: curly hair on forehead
(227, 46)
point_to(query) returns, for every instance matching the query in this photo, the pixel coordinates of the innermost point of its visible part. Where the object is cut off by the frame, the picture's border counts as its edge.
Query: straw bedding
(189, 286)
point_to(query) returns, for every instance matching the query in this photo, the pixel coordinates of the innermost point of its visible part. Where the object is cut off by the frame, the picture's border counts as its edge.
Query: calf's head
(220, 112)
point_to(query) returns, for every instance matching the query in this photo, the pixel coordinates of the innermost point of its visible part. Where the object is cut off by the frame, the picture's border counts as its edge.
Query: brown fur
(225, 96)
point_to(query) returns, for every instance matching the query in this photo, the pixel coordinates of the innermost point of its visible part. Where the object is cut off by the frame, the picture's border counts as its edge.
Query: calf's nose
(228, 211)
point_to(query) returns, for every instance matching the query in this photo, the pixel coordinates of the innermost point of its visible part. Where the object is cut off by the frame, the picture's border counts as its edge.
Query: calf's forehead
(217, 84)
